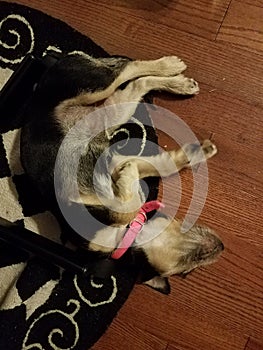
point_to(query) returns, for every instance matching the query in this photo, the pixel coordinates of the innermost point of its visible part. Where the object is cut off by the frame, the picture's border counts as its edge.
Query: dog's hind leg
(165, 66)
(136, 89)
(125, 101)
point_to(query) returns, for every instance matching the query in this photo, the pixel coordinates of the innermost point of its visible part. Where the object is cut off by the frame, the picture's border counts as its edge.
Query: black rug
(41, 305)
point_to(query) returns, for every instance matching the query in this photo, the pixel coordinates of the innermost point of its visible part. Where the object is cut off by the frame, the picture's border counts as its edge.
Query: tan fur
(170, 251)
(167, 252)
(165, 66)
(161, 74)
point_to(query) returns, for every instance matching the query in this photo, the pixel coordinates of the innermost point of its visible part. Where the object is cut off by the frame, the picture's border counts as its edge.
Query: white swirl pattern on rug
(7, 24)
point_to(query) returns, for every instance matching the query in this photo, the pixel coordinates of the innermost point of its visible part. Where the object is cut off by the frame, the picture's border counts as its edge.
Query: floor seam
(224, 16)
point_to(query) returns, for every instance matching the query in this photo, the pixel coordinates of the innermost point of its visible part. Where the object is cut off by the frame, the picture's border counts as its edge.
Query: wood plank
(198, 327)
(194, 342)
(123, 335)
(243, 26)
(253, 344)
(175, 14)
(252, 2)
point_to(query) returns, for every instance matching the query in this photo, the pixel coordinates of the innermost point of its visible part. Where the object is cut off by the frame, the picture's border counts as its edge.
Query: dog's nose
(221, 246)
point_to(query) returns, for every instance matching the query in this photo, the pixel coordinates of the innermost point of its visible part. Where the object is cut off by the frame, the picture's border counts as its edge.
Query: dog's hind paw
(182, 85)
(171, 65)
(190, 87)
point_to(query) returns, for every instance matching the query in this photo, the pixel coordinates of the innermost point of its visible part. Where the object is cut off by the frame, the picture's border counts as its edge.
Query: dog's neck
(108, 239)
(135, 228)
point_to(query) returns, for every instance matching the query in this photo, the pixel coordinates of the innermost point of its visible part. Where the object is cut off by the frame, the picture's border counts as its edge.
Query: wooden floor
(218, 307)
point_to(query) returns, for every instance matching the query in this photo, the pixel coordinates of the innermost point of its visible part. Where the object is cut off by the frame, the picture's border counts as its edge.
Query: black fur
(41, 137)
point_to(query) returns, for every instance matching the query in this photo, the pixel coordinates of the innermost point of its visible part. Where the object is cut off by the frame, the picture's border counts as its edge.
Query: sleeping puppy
(70, 135)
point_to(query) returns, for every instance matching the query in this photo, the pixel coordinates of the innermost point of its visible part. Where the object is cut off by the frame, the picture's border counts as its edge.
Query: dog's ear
(161, 284)
(148, 275)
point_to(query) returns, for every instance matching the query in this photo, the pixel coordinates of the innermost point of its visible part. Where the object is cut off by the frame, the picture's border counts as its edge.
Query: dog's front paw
(171, 65)
(209, 149)
(197, 153)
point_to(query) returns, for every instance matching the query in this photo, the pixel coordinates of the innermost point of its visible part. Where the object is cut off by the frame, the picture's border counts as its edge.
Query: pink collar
(135, 228)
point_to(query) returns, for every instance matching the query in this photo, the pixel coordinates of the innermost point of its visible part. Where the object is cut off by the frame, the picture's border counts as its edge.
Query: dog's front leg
(169, 163)
(126, 187)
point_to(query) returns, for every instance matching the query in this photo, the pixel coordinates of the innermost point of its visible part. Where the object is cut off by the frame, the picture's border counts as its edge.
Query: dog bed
(41, 305)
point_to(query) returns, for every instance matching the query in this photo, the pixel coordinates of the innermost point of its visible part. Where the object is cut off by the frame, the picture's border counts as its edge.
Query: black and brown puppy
(70, 132)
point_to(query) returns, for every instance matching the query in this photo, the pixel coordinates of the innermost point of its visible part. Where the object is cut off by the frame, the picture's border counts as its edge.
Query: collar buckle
(134, 228)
